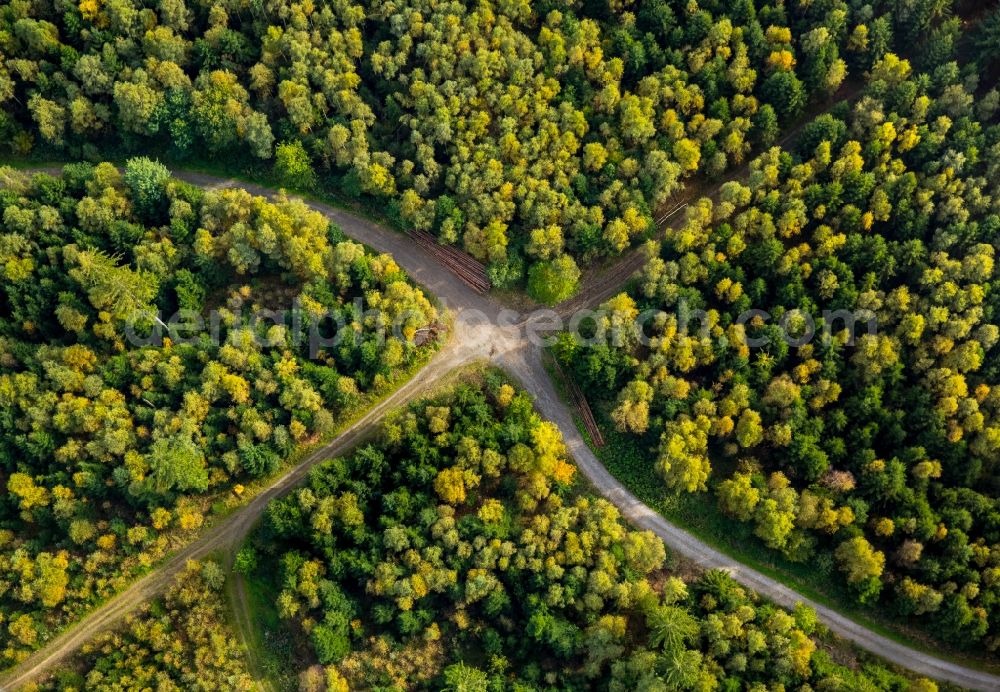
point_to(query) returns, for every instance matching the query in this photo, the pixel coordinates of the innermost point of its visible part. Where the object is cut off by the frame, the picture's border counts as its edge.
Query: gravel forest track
(483, 330)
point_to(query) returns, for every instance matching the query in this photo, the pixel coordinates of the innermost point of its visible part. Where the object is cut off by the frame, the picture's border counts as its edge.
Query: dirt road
(484, 330)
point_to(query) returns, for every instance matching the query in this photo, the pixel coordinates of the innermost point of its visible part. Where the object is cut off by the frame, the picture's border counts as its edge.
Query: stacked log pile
(465, 267)
(580, 401)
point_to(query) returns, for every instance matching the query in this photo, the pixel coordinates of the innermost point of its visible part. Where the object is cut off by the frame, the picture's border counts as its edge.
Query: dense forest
(180, 642)
(538, 136)
(457, 552)
(110, 438)
(872, 450)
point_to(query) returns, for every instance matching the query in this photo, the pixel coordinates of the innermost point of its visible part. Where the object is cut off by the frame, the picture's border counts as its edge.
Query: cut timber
(465, 267)
(427, 334)
(580, 401)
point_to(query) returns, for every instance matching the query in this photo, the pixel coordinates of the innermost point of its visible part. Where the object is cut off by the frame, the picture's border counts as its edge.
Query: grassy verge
(274, 646)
